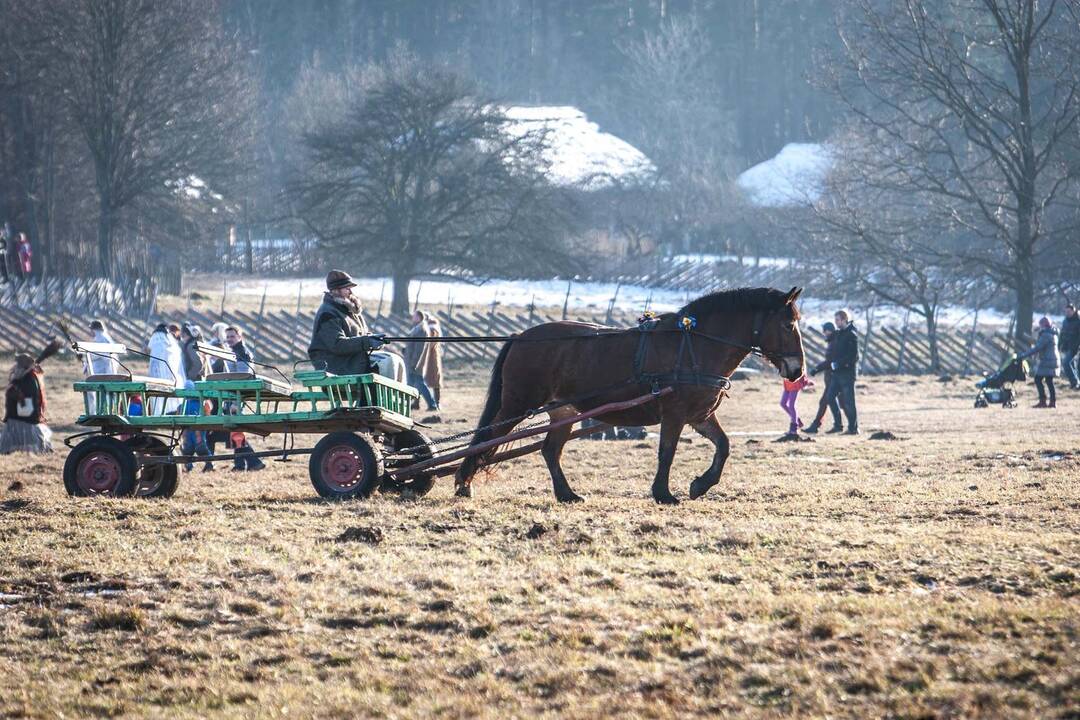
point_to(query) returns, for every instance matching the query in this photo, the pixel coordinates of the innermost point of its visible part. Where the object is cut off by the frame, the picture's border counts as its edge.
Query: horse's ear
(793, 295)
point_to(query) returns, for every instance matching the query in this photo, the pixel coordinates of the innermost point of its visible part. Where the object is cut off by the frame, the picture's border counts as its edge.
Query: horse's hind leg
(502, 425)
(552, 451)
(670, 430)
(711, 430)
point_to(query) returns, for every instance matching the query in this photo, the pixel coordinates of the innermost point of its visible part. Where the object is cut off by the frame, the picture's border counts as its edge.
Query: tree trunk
(1025, 304)
(400, 303)
(932, 338)
(104, 241)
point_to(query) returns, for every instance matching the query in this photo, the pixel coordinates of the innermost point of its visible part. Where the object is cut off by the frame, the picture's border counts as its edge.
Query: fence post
(566, 300)
(382, 294)
(971, 342)
(869, 336)
(903, 343)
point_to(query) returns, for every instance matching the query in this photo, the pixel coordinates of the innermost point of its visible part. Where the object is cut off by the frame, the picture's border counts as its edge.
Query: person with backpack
(844, 366)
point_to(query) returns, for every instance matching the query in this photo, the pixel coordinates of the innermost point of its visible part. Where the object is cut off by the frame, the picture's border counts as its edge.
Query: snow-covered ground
(585, 296)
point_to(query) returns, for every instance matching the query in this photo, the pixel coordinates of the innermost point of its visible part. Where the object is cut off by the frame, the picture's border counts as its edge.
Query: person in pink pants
(787, 401)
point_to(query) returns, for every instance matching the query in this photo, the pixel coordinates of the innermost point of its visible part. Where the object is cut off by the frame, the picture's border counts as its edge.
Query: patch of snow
(747, 260)
(794, 177)
(593, 296)
(580, 153)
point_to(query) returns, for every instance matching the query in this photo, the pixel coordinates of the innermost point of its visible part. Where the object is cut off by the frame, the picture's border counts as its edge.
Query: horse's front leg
(711, 430)
(670, 430)
(552, 452)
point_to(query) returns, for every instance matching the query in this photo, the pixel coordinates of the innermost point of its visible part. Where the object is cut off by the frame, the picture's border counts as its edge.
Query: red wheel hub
(342, 468)
(98, 473)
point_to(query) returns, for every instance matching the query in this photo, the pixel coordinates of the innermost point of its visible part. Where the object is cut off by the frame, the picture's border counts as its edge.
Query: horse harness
(685, 326)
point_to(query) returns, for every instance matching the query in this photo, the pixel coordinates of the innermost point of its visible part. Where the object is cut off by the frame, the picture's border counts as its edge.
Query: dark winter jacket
(243, 359)
(1046, 351)
(340, 342)
(195, 366)
(26, 385)
(825, 366)
(1069, 342)
(846, 350)
(416, 353)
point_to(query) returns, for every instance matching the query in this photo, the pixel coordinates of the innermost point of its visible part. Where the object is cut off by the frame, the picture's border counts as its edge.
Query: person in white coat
(100, 363)
(167, 363)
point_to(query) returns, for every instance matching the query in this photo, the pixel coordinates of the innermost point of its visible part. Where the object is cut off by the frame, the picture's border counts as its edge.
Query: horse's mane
(738, 300)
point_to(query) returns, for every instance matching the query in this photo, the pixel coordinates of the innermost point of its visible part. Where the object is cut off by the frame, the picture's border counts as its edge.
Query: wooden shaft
(487, 445)
(525, 449)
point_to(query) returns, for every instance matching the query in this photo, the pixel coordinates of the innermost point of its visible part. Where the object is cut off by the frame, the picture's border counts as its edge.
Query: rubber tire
(419, 485)
(120, 453)
(370, 459)
(166, 487)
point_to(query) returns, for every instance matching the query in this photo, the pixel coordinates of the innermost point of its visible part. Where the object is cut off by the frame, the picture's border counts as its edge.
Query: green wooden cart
(131, 448)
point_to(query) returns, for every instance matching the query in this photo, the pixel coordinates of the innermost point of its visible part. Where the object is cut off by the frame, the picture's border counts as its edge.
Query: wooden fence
(282, 336)
(86, 296)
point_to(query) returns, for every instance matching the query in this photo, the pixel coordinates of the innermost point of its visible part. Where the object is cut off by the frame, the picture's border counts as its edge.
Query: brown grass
(933, 576)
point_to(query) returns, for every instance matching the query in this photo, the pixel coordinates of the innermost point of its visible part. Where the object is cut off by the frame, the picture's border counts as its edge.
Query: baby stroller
(996, 389)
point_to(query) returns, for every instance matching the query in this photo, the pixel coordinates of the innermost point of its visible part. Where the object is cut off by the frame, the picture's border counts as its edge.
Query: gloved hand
(378, 340)
(833, 365)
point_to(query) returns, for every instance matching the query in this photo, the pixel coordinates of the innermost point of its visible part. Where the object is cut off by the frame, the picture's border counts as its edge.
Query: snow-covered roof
(796, 176)
(580, 153)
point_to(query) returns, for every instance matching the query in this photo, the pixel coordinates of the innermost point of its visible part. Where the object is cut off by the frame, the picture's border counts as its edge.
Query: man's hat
(96, 325)
(338, 279)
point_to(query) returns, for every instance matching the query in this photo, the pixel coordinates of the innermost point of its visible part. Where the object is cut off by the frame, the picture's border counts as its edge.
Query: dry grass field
(930, 576)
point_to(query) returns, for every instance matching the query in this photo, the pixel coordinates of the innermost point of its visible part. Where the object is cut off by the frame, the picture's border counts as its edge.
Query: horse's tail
(491, 408)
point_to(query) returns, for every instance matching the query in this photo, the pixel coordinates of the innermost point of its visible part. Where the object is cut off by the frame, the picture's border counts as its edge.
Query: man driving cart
(340, 340)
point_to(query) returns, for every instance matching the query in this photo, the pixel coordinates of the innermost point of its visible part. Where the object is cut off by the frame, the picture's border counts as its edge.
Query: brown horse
(693, 351)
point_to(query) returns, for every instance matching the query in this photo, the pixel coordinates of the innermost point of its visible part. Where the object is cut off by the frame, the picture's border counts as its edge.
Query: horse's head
(776, 333)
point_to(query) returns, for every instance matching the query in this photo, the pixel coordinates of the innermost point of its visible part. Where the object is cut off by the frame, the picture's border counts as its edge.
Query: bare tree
(975, 105)
(158, 93)
(417, 174)
(669, 99)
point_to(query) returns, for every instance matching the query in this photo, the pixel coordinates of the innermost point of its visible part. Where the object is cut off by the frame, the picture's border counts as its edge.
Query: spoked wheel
(159, 480)
(409, 447)
(345, 465)
(100, 465)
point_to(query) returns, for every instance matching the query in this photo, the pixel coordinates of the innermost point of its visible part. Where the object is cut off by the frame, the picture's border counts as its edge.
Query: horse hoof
(668, 499)
(464, 491)
(699, 488)
(571, 498)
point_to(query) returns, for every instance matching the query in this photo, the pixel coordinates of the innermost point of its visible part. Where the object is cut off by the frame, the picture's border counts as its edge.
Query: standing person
(25, 429)
(5, 239)
(1046, 365)
(1069, 345)
(100, 363)
(340, 341)
(234, 339)
(416, 354)
(193, 441)
(433, 367)
(844, 369)
(788, 399)
(827, 402)
(217, 339)
(24, 253)
(195, 366)
(167, 363)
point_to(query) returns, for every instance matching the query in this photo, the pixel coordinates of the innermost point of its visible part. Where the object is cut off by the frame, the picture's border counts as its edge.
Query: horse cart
(369, 439)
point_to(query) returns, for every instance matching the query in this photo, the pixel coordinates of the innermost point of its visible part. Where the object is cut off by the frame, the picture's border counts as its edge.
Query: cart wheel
(420, 449)
(100, 465)
(154, 480)
(345, 465)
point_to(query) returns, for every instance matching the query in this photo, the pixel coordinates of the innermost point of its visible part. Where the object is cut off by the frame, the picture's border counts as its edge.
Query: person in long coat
(196, 367)
(25, 428)
(433, 373)
(167, 363)
(416, 354)
(1047, 362)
